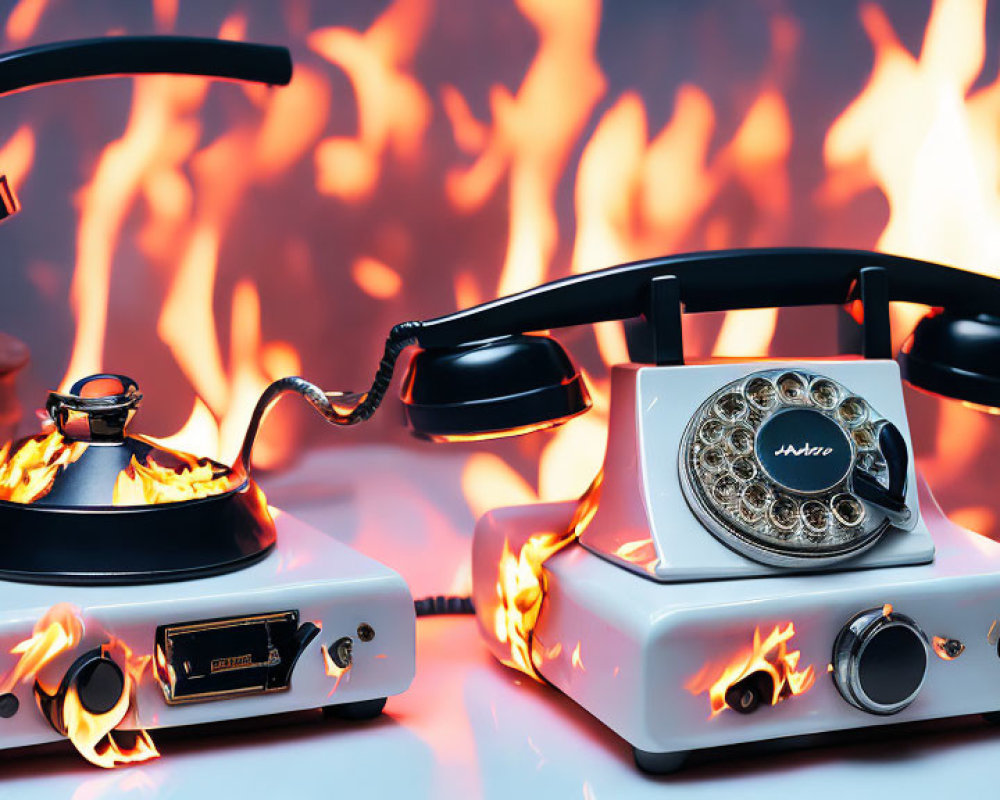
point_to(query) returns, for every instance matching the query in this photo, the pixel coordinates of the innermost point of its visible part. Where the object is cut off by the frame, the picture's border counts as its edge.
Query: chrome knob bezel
(849, 648)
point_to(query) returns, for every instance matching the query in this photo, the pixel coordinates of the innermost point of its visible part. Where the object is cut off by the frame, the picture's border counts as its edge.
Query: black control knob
(99, 683)
(880, 661)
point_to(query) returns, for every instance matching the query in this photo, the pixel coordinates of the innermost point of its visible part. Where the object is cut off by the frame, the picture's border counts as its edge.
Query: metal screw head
(954, 648)
(366, 632)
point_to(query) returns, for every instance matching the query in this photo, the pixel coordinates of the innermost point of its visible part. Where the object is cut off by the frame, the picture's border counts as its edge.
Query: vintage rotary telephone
(758, 532)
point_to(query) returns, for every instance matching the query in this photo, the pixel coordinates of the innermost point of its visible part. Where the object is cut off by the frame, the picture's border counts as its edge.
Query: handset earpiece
(891, 498)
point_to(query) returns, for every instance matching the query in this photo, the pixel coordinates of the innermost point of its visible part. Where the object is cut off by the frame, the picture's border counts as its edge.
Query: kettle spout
(9, 204)
(337, 408)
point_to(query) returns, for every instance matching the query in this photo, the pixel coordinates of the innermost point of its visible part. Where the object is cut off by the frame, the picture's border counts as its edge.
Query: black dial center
(803, 450)
(892, 665)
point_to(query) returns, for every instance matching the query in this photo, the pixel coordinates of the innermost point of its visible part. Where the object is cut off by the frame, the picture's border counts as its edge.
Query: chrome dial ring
(766, 464)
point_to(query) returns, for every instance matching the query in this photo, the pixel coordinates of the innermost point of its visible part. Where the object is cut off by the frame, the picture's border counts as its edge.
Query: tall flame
(59, 630)
(149, 146)
(522, 583)
(23, 20)
(532, 134)
(17, 155)
(393, 108)
(927, 139)
(184, 228)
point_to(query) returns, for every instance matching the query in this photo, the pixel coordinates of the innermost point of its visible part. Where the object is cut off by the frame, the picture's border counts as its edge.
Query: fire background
(431, 154)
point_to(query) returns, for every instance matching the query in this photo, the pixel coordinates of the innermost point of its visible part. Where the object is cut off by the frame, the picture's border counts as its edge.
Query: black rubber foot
(992, 717)
(356, 712)
(659, 763)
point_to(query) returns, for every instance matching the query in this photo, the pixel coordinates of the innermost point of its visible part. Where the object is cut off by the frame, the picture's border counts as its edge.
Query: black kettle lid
(90, 461)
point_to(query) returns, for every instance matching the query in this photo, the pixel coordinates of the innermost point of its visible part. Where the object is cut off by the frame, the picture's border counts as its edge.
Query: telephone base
(643, 656)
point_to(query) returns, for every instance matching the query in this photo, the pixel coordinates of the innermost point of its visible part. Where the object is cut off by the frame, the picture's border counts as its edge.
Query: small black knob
(880, 661)
(99, 685)
(750, 693)
(9, 704)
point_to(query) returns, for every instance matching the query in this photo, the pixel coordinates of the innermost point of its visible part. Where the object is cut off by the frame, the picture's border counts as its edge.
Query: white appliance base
(326, 582)
(626, 648)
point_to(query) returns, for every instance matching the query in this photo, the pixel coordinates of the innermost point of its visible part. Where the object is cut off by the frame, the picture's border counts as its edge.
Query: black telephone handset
(133, 55)
(477, 360)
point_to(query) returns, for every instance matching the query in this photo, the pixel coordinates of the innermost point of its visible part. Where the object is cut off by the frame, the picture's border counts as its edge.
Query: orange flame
(17, 155)
(93, 734)
(165, 14)
(375, 278)
(532, 134)
(947, 649)
(641, 552)
(166, 672)
(151, 483)
(224, 171)
(332, 670)
(58, 631)
(770, 656)
(393, 108)
(184, 231)
(23, 20)
(921, 134)
(154, 140)
(28, 472)
(521, 583)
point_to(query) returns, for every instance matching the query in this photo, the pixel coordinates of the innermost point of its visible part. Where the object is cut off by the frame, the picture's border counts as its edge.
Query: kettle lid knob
(97, 408)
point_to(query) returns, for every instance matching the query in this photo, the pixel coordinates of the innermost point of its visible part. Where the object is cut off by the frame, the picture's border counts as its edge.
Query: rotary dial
(789, 467)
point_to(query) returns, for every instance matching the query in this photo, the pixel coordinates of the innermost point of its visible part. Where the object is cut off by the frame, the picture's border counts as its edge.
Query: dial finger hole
(848, 510)
(864, 437)
(754, 500)
(792, 388)
(784, 515)
(761, 393)
(824, 393)
(711, 431)
(713, 459)
(756, 496)
(725, 489)
(743, 469)
(731, 406)
(852, 411)
(815, 519)
(741, 440)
